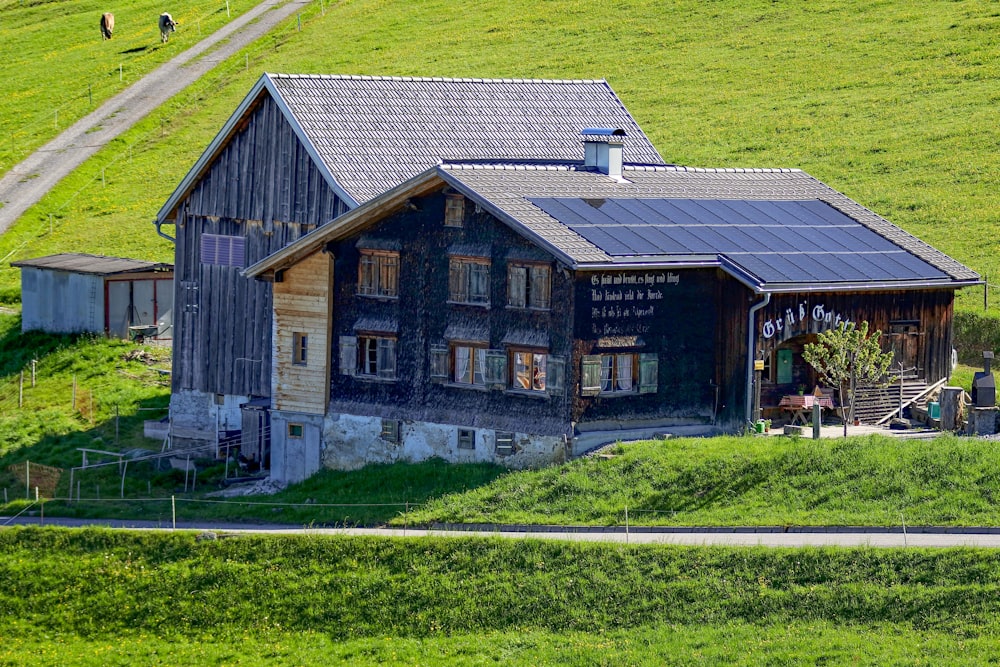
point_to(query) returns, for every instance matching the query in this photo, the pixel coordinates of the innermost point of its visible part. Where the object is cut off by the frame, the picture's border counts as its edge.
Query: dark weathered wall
(264, 187)
(672, 314)
(423, 313)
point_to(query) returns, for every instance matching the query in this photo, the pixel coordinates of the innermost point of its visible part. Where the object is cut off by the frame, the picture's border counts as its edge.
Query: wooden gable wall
(262, 187)
(303, 306)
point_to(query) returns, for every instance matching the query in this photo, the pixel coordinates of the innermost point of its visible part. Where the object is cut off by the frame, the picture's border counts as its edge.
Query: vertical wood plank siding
(303, 304)
(222, 340)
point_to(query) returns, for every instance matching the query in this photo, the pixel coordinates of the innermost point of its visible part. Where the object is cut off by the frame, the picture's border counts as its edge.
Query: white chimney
(602, 150)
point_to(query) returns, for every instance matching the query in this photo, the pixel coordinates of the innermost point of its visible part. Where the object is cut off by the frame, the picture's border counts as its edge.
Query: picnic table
(800, 406)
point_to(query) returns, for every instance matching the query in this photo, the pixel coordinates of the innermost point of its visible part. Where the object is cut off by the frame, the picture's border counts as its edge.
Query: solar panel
(784, 241)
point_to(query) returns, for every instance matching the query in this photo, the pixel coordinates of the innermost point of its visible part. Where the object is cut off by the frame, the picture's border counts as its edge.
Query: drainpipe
(157, 222)
(750, 350)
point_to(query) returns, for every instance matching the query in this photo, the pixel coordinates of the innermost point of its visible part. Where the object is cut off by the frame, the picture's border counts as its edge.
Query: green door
(784, 366)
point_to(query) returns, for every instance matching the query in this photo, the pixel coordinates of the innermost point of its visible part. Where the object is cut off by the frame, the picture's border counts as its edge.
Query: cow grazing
(107, 25)
(167, 26)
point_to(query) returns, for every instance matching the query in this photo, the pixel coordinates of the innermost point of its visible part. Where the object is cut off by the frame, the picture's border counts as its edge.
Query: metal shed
(116, 296)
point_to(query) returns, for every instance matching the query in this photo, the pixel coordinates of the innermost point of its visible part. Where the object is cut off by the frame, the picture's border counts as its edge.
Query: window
(390, 431)
(469, 365)
(466, 438)
(295, 430)
(368, 356)
(529, 371)
(620, 373)
(529, 286)
(505, 443)
(378, 273)
(300, 347)
(223, 250)
(469, 280)
(454, 210)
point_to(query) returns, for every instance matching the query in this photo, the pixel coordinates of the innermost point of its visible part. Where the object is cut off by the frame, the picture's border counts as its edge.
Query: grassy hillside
(892, 103)
(57, 68)
(99, 597)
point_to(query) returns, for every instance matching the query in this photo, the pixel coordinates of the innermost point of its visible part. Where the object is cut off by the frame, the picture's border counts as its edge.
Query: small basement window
(466, 438)
(295, 430)
(505, 443)
(390, 430)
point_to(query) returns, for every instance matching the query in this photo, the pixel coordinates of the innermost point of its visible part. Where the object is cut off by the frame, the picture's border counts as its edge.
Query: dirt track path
(28, 181)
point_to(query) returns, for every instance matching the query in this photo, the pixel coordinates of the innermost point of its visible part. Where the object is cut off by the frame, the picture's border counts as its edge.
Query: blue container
(934, 410)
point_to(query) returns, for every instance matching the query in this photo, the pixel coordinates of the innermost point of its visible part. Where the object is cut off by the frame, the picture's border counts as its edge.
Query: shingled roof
(369, 134)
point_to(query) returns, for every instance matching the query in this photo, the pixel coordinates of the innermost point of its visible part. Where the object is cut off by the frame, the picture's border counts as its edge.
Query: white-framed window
(368, 355)
(454, 210)
(378, 273)
(222, 250)
(300, 349)
(466, 438)
(528, 370)
(469, 280)
(469, 365)
(618, 373)
(529, 286)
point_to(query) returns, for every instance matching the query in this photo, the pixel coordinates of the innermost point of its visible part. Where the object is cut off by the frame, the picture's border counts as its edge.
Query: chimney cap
(602, 134)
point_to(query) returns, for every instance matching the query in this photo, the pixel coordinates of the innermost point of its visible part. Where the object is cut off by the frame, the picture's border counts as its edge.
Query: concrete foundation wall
(196, 415)
(351, 442)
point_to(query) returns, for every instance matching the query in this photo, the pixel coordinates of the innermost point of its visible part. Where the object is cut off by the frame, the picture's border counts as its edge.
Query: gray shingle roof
(373, 133)
(91, 264)
(510, 189)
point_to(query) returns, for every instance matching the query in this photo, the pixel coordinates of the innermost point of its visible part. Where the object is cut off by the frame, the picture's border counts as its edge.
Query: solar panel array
(801, 241)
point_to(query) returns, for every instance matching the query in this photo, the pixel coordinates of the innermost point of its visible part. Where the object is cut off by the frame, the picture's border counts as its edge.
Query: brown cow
(107, 24)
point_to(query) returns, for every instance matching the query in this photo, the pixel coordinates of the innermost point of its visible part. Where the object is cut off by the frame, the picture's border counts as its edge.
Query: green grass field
(892, 103)
(102, 597)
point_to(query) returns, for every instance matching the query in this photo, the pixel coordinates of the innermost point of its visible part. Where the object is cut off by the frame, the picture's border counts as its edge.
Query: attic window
(454, 210)
(222, 250)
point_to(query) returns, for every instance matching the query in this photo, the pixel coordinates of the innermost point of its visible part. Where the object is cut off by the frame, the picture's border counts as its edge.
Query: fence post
(71, 474)
(124, 470)
(27, 480)
(20, 392)
(626, 524)
(173, 513)
(74, 392)
(33, 362)
(116, 423)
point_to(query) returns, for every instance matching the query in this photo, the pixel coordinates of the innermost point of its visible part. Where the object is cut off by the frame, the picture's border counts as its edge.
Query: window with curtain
(470, 365)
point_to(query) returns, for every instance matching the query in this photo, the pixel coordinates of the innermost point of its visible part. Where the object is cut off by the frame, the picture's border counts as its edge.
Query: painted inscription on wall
(800, 319)
(625, 303)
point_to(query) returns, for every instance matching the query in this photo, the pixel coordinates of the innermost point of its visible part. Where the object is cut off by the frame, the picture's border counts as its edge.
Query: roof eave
(349, 223)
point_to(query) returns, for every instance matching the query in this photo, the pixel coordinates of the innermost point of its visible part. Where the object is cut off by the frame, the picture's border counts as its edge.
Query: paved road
(28, 181)
(765, 536)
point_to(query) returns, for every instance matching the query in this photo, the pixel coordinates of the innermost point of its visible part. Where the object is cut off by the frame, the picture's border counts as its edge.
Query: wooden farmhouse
(525, 312)
(114, 296)
(300, 151)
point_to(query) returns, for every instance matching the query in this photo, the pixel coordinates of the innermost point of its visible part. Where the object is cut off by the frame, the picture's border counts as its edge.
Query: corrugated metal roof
(92, 264)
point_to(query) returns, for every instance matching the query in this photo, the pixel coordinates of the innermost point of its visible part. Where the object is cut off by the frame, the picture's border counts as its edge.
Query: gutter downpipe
(158, 222)
(750, 349)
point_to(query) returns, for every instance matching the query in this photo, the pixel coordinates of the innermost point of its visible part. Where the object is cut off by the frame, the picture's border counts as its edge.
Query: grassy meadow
(110, 597)
(892, 103)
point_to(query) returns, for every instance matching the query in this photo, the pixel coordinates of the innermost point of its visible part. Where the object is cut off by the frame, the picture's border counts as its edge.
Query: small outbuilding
(116, 296)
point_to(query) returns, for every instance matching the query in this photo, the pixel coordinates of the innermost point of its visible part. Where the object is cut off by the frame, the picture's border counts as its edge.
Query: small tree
(849, 356)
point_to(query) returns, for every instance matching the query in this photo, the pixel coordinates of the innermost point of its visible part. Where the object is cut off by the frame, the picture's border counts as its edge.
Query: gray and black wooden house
(300, 151)
(526, 312)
